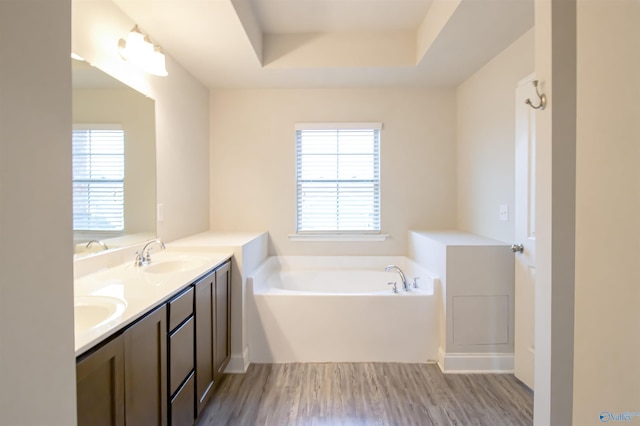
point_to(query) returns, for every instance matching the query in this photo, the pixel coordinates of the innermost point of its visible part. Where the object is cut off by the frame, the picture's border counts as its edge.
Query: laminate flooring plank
(353, 397)
(423, 395)
(395, 394)
(489, 400)
(309, 392)
(366, 394)
(462, 407)
(406, 397)
(377, 414)
(427, 390)
(473, 407)
(247, 396)
(279, 396)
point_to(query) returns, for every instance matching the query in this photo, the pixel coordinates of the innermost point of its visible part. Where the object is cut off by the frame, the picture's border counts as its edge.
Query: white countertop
(138, 289)
(217, 239)
(459, 238)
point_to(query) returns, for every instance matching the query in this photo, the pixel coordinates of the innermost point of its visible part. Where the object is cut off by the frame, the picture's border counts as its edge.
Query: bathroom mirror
(102, 102)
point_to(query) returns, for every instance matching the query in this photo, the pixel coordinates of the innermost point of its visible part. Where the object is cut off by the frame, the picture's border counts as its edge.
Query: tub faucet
(405, 286)
(143, 258)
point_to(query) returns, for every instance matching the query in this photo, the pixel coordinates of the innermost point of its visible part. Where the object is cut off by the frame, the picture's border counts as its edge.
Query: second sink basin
(168, 266)
(93, 311)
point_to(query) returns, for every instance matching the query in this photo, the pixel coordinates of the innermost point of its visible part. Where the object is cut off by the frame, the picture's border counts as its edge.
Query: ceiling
(331, 43)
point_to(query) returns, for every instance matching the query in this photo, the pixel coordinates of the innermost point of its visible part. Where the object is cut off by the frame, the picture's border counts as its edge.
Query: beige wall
(37, 361)
(253, 161)
(607, 293)
(182, 118)
(486, 141)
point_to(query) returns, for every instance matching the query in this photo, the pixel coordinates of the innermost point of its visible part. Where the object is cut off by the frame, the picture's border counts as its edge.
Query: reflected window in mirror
(98, 179)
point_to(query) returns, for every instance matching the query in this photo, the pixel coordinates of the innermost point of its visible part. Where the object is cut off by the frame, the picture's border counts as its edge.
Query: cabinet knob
(517, 248)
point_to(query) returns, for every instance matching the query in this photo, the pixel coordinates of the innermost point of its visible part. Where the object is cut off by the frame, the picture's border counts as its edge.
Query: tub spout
(405, 286)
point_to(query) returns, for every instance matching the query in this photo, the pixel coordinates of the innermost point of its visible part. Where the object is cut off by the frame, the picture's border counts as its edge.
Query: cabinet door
(222, 323)
(145, 366)
(100, 386)
(204, 339)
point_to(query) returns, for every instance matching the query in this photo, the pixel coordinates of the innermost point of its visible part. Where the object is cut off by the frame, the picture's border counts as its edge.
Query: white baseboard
(449, 363)
(470, 363)
(238, 363)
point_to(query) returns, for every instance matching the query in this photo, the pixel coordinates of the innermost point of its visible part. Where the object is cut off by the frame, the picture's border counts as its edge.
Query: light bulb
(157, 63)
(136, 45)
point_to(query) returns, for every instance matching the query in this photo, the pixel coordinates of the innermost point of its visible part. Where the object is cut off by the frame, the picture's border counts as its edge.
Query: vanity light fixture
(139, 49)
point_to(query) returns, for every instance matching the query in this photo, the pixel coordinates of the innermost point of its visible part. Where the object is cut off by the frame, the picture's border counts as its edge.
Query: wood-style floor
(366, 394)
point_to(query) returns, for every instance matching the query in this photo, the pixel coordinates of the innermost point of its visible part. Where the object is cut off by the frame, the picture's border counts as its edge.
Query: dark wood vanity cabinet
(145, 378)
(204, 339)
(100, 386)
(160, 370)
(181, 358)
(213, 339)
(123, 382)
(222, 327)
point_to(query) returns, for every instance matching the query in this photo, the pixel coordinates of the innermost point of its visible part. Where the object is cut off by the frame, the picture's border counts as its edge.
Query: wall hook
(542, 97)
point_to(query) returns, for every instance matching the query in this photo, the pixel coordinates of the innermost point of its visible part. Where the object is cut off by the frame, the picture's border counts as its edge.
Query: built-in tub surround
(341, 309)
(109, 299)
(477, 300)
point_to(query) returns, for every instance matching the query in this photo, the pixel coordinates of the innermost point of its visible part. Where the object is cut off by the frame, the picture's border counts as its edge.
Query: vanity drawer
(180, 307)
(182, 404)
(180, 354)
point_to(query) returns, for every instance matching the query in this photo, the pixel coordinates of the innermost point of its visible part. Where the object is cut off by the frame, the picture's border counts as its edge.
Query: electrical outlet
(504, 213)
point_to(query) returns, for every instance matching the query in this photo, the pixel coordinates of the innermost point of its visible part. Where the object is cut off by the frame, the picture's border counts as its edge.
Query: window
(98, 178)
(338, 177)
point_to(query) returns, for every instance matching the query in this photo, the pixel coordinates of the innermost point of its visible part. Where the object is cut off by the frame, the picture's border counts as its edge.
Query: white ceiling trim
(332, 50)
(250, 24)
(434, 21)
(223, 43)
(322, 16)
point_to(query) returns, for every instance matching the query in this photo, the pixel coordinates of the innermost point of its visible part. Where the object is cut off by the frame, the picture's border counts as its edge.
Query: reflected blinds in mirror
(98, 178)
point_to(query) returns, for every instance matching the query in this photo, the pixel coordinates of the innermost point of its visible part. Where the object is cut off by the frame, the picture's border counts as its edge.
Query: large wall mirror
(114, 160)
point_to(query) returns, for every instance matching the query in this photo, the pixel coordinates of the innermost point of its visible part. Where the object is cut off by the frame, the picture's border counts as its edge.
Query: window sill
(338, 237)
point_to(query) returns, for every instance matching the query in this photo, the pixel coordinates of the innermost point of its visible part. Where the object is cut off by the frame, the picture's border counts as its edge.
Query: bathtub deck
(366, 394)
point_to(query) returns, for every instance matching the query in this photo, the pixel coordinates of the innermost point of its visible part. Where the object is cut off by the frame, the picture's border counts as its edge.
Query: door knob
(517, 248)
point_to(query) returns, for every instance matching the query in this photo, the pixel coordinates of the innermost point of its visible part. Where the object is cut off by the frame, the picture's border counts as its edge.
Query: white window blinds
(338, 177)
(98, 179)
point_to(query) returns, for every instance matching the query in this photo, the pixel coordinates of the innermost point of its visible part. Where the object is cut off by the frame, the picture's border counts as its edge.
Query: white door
(525, 232)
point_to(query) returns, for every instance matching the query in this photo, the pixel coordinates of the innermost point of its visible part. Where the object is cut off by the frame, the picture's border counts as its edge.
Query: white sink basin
(174, 265)
(94, 311)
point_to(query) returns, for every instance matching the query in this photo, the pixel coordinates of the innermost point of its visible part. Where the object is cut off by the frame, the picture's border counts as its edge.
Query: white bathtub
(340, 309)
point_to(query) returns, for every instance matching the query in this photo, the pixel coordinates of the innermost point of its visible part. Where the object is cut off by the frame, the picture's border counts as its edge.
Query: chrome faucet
(100, 243)
(405, 286)
(143, 258)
